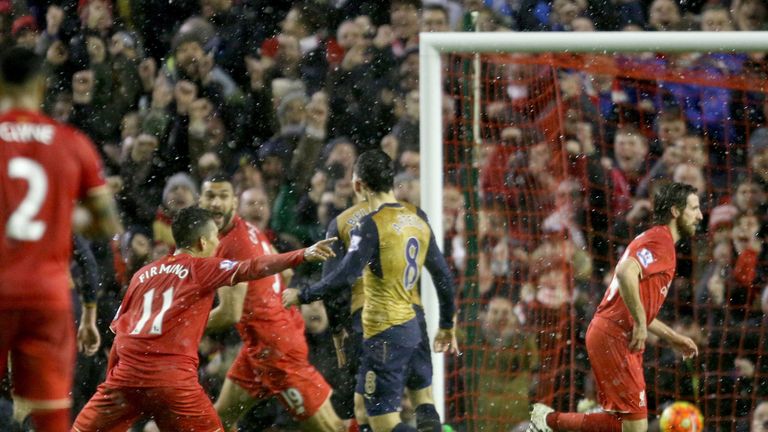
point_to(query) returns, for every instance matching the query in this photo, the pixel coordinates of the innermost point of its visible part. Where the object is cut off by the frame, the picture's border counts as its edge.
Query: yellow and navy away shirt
(389, 247)
(342, 227)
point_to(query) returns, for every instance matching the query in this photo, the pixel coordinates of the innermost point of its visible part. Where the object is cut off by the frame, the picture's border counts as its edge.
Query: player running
(153, 363)
(344, 314)
(45, 167)
(389, 247)
(274, 358)
(616, 336)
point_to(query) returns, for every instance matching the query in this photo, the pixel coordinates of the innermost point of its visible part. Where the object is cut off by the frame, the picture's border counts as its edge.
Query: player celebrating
(45, 167)
(616, 336)
(153, 363)
(389, 247)
(348, 305)
(274, 358)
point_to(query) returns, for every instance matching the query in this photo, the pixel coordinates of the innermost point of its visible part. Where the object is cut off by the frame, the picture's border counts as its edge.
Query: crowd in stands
(283, 95)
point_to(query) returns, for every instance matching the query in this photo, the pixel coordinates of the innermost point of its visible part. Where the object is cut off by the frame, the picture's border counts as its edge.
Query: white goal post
(431, 45)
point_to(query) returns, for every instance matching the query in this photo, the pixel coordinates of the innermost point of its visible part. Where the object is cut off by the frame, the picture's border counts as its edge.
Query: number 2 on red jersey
(21, 224)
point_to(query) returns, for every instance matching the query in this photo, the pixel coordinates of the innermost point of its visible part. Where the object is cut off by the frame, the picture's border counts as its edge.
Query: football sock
(427, 418)
(352, 426)
(402, 427)
(577, 422)
(51, 420)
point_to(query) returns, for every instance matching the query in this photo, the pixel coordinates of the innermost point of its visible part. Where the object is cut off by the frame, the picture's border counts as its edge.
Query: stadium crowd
(282, 96)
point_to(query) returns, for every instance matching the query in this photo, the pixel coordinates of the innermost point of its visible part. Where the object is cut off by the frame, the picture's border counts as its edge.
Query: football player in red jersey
(45, 168)
(616, 336)
(274, 358)
(153, 363)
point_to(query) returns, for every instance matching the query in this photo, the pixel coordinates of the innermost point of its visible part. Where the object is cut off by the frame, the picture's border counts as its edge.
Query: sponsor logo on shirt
(645, 257)
(642, 399)
(227, 265)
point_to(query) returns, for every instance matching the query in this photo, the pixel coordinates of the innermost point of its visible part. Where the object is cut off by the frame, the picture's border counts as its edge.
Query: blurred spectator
(759, 421)
(408, 188)
(404, 30)
(664, 15)
(509, 357)
(630, 151)
(454, 239)
(24, 31)
(716, 18)
(141, 190)
(758, 156)
(254, 208)
(179, 192)
(670, 127)
(434, 18)
(750, 15)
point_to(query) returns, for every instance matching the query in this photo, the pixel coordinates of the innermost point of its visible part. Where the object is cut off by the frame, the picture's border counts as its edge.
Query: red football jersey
(654, 250)
(265, 322)
(162, 318)
(45, 167)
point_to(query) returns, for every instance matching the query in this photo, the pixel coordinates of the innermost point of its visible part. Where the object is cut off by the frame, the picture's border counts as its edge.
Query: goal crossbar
(431, 45)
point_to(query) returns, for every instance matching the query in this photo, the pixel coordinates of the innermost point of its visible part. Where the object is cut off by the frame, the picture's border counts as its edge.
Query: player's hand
(88, 339)
(639, 335)
(686, 346)
(290, 297)
(445, 341)
(338, 343)
(320, 251)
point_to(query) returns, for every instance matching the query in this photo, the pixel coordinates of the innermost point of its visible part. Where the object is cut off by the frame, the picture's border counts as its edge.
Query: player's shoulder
(352, 216)
(415, 209)
(658, 234)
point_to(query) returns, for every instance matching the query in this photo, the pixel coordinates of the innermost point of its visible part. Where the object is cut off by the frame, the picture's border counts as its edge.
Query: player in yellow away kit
(389, 246)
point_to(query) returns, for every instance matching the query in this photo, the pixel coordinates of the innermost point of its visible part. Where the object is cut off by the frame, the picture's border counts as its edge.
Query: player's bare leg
(361, 416)
(50, 415)
(545, 419)
(390, 422)
(324, 420)
(232, 403)
(634, 425)
(427, 418)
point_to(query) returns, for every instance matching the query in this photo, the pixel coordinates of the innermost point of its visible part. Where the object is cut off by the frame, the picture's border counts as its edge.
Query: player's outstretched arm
(681, 343)
(351, 267)
(320, 251)
(267, 265)
(628, 276)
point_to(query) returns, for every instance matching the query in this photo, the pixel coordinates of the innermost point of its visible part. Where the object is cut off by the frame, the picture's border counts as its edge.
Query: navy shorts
(384, 367)
(419, 374)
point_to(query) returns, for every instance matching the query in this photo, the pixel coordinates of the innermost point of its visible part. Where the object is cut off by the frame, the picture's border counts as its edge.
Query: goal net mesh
(550, 163)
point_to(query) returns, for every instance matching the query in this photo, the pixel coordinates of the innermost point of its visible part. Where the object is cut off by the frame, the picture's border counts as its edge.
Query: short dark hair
(189, 225)
(436, 7)
(670, 195)
(18, 66)
(376, 169)
(415, 3)
(218, 177)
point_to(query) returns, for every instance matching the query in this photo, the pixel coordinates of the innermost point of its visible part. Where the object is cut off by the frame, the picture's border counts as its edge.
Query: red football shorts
(173, 409)
(299, 386)
(618, 372)
(42, 348)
